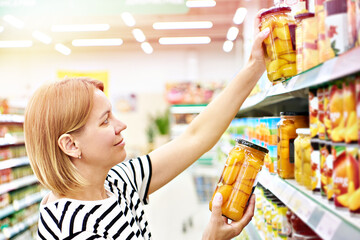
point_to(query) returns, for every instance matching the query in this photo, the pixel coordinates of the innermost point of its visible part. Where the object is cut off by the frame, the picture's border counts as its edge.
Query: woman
(76, 150)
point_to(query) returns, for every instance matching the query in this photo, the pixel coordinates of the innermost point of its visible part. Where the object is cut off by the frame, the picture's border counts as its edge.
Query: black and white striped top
(121, 216)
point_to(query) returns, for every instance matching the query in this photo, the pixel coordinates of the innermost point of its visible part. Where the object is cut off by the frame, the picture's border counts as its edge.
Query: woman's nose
(120, 126)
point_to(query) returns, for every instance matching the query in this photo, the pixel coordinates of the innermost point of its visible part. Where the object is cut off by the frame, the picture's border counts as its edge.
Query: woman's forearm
(211, 123)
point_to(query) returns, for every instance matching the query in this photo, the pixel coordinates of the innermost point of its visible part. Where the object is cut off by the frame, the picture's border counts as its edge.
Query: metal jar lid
(252, 145)
(275, 10)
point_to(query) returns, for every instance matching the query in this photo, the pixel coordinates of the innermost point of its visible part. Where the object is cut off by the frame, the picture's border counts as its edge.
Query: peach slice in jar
(230, 174)
(282, 33)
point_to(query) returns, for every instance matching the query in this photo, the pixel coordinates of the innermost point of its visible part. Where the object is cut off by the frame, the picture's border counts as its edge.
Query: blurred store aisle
(174, 211)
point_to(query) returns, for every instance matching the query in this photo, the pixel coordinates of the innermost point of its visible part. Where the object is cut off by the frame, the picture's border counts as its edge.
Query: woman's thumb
(216, 205)
(261, 36)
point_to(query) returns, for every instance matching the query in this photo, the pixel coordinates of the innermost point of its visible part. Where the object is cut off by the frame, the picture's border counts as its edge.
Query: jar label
(291, 151)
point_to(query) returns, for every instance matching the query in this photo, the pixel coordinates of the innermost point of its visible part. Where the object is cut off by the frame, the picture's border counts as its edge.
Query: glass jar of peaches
(289, 122)
(302, 155)
(237, 180)
(279, 46)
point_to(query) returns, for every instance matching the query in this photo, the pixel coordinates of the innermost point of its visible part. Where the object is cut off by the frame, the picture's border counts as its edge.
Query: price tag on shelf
(287, 194)
(302, 206)
(328, 225)
(16, 205)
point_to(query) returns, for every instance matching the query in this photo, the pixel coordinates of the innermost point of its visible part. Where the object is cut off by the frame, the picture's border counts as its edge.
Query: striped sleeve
(84, 236)
(137, 172)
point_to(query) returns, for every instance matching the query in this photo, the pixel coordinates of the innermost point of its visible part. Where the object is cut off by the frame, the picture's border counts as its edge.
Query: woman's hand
(219, 228)
(257, 53)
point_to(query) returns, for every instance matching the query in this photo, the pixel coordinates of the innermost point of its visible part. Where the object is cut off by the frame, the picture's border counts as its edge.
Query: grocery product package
(336, 107)
(346, 174)
(336, 22)
(313, 112)
(315, 165)
(350, 119)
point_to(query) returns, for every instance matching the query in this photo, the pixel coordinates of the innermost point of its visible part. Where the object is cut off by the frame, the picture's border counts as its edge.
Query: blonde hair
(55, 109)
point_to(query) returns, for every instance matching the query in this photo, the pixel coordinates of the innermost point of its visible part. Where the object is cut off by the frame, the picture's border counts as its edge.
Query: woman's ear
(67, 144)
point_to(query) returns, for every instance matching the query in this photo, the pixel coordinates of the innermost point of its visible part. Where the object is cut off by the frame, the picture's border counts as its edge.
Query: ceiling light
(128, 19)
(200, 3)
(1, 28)
(228, 46)
(42, 37)
(182, 25)
(232, 33)
(13, 21)
(184, 40)
(97, 42)
(61, 48)
(146, 47)
(15, 44)
(239, 15)
(138, 35)
(80, 28)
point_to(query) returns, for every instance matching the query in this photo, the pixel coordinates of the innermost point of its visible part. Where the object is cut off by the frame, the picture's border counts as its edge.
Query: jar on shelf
(279, 46)
(302, 154)
(237, 180)
(289, 122)
(310, 37)
(299, 40)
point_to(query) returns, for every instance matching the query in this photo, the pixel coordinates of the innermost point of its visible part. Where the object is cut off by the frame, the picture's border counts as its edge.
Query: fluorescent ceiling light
(42, 37)
(232, 33)
(1, 28)
(228, 46)
(200, 3)
(182, 25)
(146, 47)
(80, 28)
(97, 42)
(61, 48)
(239, 15)
(14, 21)
(138, 35)
(128, 19)
(184, 40)
(15, 44)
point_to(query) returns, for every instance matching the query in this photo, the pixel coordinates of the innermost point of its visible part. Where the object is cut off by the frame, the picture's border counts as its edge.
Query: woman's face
(100, 140)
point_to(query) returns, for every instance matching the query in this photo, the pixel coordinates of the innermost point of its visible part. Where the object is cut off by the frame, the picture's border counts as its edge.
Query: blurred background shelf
(18, 183)
(14, 162)
(326, 220)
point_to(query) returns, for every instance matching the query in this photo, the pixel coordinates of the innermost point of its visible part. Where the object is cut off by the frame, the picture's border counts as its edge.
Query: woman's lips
(120, 143)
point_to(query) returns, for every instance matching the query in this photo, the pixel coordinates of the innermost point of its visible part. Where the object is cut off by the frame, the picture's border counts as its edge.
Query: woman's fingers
(249, 213)
(216, 214)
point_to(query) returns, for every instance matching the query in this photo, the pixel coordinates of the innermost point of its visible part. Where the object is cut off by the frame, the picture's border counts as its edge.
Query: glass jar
(237, 180)
(300, 147)
(306, 41)
(287, 126)
(279, 46)
(306, 163)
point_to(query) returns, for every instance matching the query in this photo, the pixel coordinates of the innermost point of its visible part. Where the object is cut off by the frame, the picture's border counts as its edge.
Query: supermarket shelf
(253, 233)
(11, 119)
(18, 183)
(326, 220)
(7, 144)
(190, 108)
(23, 203)
(341, 66)
(14, 162)
(18, 228)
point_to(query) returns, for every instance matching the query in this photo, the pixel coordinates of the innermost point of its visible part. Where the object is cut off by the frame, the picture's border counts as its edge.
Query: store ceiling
(220, 15)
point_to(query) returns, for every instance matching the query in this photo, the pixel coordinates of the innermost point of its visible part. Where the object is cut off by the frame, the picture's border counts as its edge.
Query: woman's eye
(106, 121)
